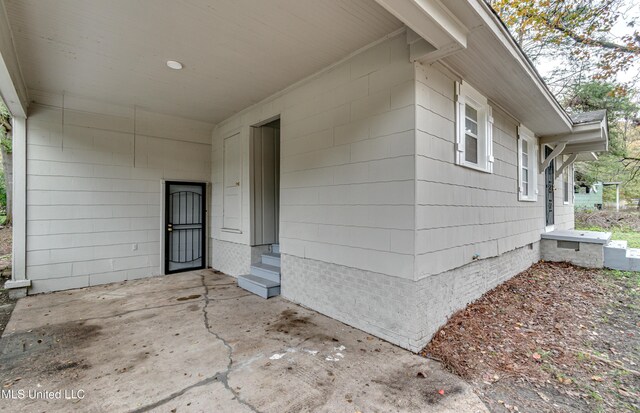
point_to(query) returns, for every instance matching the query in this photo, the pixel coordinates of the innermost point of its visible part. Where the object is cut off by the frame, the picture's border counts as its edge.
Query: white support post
(19, 249)
(617, 197)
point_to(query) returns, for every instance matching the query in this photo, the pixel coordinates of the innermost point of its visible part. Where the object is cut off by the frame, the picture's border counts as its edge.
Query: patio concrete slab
(195, 342)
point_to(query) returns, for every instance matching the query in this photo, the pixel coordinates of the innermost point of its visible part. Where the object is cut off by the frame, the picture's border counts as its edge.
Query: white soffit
(235, 52)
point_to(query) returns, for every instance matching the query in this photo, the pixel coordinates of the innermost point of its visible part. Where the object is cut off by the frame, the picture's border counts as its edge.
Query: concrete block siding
(94, 174)
(440, 296)
(377, 303)
(233, 258)
(403, 312)
(590, 255)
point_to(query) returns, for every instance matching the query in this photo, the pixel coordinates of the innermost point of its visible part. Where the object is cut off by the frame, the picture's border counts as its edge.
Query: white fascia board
(583, 133)
(585, 147)
(12, 85)
(432, 21)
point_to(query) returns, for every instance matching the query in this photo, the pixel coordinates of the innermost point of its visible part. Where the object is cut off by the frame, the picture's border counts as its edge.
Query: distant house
(382, 162)
(588, 196)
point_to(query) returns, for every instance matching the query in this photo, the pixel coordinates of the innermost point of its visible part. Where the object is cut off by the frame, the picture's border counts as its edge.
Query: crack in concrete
(174, 395)
(222, 377)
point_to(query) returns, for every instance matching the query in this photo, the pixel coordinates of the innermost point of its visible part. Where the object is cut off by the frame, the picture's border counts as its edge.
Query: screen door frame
(203, 244)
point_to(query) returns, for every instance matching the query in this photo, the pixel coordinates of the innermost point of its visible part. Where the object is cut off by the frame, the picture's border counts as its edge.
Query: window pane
(471, 113)
(470, 149)
(525, 182)
(525, 147)
(525, 159)
(471, 127)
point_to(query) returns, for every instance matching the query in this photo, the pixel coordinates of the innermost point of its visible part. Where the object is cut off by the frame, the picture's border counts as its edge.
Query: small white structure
(617, 185)
(382, 162)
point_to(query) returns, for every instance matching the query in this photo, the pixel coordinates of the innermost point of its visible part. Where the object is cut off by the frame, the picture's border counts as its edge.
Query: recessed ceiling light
(174, 64)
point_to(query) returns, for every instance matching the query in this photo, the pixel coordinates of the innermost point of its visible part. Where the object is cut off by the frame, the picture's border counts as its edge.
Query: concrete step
(271, 258)
(275, 248)
(616, 244)
(259, 286)
(615, 251)
(633, 253)
(270, 272)
(618, 256)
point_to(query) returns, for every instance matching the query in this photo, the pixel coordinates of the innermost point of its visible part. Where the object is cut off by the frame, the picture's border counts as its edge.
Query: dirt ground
(608, 220)
(6, 304)
(555, 338)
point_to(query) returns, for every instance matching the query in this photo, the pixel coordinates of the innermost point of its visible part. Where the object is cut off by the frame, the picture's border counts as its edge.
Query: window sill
(475, 167)
(521, 199)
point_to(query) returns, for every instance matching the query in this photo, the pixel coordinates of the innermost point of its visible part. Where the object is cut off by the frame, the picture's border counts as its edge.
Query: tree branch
(593, 42)
(7, 125)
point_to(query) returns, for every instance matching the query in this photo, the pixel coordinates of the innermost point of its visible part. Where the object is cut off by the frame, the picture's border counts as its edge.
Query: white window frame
(467, 95)
(525, 135)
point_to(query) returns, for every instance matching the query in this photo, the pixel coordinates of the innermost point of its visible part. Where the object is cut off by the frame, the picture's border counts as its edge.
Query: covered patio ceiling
(234, 52)
(238, 52)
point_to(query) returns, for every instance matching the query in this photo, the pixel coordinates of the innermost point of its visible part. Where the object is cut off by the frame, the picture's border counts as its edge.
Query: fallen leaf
(536, 356)
(624, 392)
(565, 380)
(596, 378)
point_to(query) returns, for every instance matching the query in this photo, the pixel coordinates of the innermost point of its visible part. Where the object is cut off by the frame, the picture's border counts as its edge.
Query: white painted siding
(463, 213)
(347, 163)
(94, 174)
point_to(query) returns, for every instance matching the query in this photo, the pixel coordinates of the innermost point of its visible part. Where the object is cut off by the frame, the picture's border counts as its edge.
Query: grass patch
(631, 277)
(625, 234)
(3, 219)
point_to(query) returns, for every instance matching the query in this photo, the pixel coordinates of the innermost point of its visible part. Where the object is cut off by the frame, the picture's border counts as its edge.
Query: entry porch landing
(591, 249)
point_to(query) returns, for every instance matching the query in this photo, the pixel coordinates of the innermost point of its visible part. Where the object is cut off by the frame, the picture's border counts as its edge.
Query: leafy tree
(622, 111)
(577, 35)
(622, 162)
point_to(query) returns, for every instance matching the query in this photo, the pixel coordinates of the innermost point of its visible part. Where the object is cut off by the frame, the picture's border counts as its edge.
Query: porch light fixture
(175, 65)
